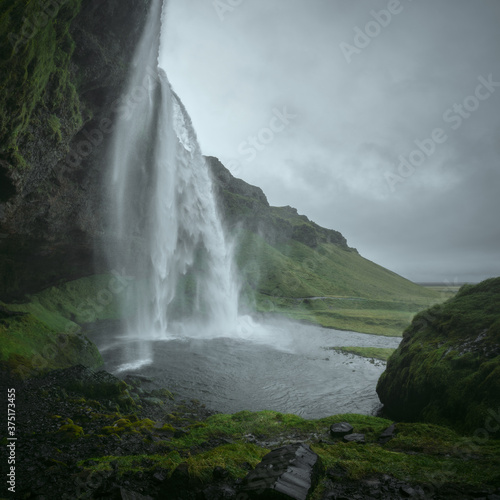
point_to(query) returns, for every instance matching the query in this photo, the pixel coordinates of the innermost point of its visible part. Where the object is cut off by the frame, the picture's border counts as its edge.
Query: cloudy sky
(377, 118)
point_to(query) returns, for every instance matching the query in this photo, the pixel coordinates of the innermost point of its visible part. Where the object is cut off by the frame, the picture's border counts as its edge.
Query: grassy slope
(447, 368)
(381, 353)
(46, 332)
(356, 294)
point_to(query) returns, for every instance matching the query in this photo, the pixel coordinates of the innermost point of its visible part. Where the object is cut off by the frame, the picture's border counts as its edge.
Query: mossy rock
(447, 368)
(69, 431)
(30, 348)
(125, 426)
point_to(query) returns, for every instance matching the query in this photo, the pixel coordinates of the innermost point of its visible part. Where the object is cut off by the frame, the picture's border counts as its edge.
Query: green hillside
(291, 266)
(447, 368)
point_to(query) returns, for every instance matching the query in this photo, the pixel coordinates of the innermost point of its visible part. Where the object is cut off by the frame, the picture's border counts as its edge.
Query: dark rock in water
(355, 438)
(288, 472)
(388, 434)
(341, 430)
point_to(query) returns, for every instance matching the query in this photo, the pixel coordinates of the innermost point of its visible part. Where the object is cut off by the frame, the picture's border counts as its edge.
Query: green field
(381, 353)
(330, 286)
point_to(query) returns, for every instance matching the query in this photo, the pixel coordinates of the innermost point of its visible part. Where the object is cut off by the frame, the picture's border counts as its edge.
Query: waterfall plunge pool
(271, 365)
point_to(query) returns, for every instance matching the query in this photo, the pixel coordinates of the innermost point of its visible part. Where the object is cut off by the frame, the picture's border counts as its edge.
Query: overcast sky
(320, 102)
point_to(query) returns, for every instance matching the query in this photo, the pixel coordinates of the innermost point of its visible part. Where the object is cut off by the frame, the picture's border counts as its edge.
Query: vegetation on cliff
(447, 368)
(35, 79)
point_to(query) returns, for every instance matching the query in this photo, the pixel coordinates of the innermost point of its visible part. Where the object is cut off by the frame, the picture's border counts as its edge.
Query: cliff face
(447, 368)
(62, 71)
(246, 206)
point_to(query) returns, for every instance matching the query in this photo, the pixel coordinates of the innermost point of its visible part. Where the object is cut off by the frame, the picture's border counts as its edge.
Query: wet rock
(287, 472)
(132, 495)
(355, 438)
(219, 492)
(219, 473)
(341, 429)
(387, 434)
(407, 492)
(159, 476)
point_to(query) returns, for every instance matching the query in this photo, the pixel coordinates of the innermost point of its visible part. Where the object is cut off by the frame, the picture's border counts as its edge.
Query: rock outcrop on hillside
(447, 368)
(246, 207)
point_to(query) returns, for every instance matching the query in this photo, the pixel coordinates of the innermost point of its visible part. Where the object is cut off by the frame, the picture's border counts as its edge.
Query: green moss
(125, 426)
(69, 431)
(34, 70)
(31, 348)
(381, 353)
(447, 369)
(235, 458)
(55, 126)
(46, 335)
(420, 453)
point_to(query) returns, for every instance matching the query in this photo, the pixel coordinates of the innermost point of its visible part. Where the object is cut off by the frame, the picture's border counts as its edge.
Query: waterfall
(167, 232)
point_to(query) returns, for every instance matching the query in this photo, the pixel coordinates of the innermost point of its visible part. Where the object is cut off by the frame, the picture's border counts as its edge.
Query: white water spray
(164, 215)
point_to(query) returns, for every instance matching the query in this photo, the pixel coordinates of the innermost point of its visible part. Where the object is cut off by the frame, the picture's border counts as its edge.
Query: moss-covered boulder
(447, 368)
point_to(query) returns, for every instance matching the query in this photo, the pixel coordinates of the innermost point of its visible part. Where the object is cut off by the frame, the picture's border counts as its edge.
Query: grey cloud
(354, 120)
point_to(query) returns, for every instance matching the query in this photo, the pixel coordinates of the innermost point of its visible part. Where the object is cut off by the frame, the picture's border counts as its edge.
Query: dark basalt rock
(341, 429)
(288, 472)
(355, 438)
(118, 493)
(219, 492)
(387, 434)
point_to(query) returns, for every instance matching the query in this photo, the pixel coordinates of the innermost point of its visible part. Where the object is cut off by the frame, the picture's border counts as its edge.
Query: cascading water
(167, 230)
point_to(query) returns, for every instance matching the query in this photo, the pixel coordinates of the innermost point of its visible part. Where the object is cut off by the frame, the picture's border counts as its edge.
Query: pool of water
(275, 365)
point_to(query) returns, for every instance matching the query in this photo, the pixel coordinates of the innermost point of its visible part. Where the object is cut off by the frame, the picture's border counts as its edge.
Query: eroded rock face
(51, 171)
(447, 368)
(246, 206)
(290, 472)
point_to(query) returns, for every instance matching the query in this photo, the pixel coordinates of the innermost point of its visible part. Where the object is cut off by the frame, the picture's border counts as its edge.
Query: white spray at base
(167, 231)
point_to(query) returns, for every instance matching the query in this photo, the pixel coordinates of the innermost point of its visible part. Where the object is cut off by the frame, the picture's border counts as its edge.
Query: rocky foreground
(88, 435)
